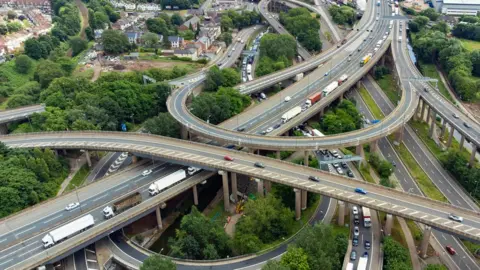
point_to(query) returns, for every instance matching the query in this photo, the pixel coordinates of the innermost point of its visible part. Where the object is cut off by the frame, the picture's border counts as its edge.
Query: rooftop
(462, 2)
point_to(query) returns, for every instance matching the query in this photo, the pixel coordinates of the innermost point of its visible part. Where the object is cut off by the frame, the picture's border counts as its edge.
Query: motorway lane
(437, 175)
(277, 171)
(55, 213)
(20, 113)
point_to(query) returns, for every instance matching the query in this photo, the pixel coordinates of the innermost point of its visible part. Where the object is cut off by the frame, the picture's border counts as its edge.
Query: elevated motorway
(421, 209)
(403, 112)
(20, 113)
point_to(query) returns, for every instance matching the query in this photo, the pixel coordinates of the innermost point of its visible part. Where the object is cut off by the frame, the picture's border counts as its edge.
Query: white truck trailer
(193, 170)
(362, 263)
(349, 266)
(327, 90)
(166, 182)
(367, 218)
(68, 230)
(291, 114)
(298, 77)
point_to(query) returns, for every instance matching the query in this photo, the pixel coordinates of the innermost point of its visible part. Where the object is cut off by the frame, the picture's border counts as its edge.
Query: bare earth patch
(474, 109)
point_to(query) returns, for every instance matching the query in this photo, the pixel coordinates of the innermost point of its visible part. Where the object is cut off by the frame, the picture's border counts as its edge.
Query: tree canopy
(300, 23)
(276, 53)
(343, 118)
(343, 14)
(115, 41)
(396, 256)
(200, 238)
(156, 262)
(217, 78)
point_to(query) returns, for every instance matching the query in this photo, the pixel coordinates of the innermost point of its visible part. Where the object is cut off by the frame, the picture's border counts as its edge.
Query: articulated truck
(367, 218)
(365, 59)
(313, 99)
(166, 182)
(291, 114)
(122, 205)
(68, 230)
(332, 86)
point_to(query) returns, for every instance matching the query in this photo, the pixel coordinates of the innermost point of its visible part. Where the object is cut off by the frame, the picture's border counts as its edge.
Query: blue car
(361, 191)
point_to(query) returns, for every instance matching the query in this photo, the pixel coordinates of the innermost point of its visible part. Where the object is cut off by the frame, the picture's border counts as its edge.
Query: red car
(228, 158)
(450, 250)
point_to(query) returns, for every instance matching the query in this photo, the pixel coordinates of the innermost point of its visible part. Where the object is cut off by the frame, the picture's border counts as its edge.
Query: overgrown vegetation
(155, 262)
(276, 53)
(343, 15)
(217, 78)
(28, 177)
(300, 23)
(396, 256)
(342, 118)
(467, 176)
(383, 168)
(316, 247)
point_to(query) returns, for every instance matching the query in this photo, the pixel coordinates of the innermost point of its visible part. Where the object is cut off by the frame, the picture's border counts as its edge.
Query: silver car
(455, 218)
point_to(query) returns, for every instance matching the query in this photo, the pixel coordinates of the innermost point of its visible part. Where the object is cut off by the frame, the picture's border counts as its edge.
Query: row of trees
(467, 30)
(232, 19)
(343, 15)
(342, 118)
(300, 23)
(101, 14)
(10, 27)
(468, 177)
(316, 247)
(180, 4)
(433, 46)
(383, 168)
(276, 53)
(66, 18)
(217, 78)
(28, 177)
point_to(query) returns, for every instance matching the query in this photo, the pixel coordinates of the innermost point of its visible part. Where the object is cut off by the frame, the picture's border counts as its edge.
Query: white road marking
(122, 187)
(6, 262)
(55, 217)
(16, 235)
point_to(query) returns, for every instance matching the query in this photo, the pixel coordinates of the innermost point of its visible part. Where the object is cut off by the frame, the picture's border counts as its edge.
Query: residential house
(194, 22)
(123, 24)
(134, 37)
(176, 41)
(205, 43)
(211, 31)
(98, 33)
(196, 12)
(189, 53)
(195, 46)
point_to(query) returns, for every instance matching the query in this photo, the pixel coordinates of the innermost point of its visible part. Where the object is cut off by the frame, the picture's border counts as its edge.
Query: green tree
(421, 21)
(176, 19)
(14, 26)
(46, 72)
(150, 39)
(199, 238)
(33, 48)
(78, 45)
(295, 259)
(23, 63)
(226, 23)
(89, 33)
(3, 29)
(395, 255)
(300, 23)
(11, 15)
(430, 13)
(475, 57)
(226, 37)
(274, 265)
(164, 124)
(156, 262)
(435, 267)
(115, 41)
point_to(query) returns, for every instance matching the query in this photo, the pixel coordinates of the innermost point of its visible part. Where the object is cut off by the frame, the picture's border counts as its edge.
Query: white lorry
(327, 90)
(166, 182)
(291, 114)
(367, 218)
(362, 263)
(249, 69)
(68, 230)
(298, 77)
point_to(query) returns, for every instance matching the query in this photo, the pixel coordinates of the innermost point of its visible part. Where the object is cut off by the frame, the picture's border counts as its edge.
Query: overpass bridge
(16, 114)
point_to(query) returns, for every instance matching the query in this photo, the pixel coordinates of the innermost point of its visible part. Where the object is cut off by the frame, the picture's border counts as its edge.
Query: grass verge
(387, 83)
(426, 185)
(372, 106)
(472, 247)
(429, 70)
(79, 178)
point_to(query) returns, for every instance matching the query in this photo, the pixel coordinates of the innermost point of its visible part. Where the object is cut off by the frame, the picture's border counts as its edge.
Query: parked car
(361, 191)
(344, 165)
(228, 158)
(340, 171)
(350, 174)
(146, 172)
(353, 255)
(72, 206)
(355, 242)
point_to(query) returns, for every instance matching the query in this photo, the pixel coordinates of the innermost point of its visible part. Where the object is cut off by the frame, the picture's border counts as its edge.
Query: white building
(458, 7)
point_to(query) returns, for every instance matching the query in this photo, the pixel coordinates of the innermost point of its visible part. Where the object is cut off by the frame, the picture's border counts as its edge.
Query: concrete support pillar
(3, 129)
(424, 107)
(341, 213)
(359, 152)
(260, 187)
(426, 238)
(340, 98)
(388, 225)
(184, 132)
(234, 186)
(159, 218)
(134, 159)
(382, 60)
(321, 113)
(195, 195)
(268, 186)
(305, 159)
(298, 203)
(64, 152)
(432, 125)
(304, 199)
(418, 110)
(226, 199)
(359, 84)
(450, 138)
(444, 128)
(462, 141)
(472, 156)
(56, 152)
(278, 155)
(429, 112)
(252, 151)
(87, 155)
(373, 146)
(399, 134)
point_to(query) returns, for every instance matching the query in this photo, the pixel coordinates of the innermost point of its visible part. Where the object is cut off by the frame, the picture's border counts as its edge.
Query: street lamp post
(78, 199)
